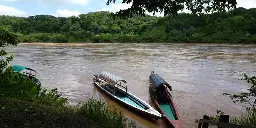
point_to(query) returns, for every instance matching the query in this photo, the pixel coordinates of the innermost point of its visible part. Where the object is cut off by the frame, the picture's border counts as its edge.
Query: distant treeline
(236, 26)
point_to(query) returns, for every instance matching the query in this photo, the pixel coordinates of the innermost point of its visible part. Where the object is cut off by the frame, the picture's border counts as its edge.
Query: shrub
(101, 112)
(127, 38)
(59, 38)
(248, 98)
(16, 85)
(247, 119)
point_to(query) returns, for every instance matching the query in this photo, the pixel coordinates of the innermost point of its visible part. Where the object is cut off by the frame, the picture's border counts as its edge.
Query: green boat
(27, 72)
(160, 94)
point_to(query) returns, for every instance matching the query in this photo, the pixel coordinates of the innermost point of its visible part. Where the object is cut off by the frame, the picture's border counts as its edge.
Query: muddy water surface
(198, 73)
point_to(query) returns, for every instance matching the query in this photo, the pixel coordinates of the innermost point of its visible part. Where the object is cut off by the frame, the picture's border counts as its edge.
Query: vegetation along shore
(236, 26)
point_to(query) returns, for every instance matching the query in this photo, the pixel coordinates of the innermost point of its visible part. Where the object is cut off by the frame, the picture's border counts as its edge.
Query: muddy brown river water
(198, 73)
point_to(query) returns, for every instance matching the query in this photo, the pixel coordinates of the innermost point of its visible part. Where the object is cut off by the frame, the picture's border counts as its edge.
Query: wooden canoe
(163, 100)
(120, 94)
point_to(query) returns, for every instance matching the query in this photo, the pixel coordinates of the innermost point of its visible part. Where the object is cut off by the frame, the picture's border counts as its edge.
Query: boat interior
(165, 104)
(124, 96)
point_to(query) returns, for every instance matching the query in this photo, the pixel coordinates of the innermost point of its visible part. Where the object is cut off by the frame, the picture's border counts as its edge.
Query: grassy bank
(101, 38)
(129, 38)
(93, 114)
(17, 113)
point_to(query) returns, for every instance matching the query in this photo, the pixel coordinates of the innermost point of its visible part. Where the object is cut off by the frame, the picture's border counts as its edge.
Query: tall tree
(6, 38)
(173, 6)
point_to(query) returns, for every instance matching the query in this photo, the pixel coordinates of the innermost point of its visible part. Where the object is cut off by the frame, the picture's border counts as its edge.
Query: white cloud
(77, 2)
(6, 10)
(116, 7)
(156, 14)
(66, 13)
(246, 3)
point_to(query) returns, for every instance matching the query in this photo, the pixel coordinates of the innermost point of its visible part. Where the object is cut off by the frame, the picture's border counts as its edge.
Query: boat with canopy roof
(116, 87)
(27, 72)
(160, 93)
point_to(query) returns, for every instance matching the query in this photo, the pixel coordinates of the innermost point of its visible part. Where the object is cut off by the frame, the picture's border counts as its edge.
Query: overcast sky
(71, 7)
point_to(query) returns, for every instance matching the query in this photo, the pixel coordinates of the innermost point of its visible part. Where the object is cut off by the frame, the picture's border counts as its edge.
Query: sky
(66, 8)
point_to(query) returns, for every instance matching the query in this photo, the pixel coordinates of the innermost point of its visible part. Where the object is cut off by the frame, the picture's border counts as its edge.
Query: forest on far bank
(236, 26)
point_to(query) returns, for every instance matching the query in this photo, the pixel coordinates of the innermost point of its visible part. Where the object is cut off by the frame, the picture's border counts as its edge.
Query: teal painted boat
(160, 94)
(113, 86)
(27, 72)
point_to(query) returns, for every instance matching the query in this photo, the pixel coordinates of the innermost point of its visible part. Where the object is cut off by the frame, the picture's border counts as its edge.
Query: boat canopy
(111, 77)
(157, 81)
(19, 68)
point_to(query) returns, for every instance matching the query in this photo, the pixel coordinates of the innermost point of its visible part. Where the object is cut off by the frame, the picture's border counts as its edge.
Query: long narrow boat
(27, 72)
(160, 94)
(112, 85)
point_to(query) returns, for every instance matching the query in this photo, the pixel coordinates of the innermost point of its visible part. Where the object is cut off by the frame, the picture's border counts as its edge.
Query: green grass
(17, 86)
(102, 113)
(247, 119)
(17, 113)
(92, 114)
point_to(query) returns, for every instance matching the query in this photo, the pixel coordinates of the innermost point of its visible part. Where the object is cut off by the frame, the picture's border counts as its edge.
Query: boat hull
(144, 113)
(176, 123)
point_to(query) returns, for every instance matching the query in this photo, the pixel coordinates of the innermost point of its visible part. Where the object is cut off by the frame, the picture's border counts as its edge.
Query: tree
(248, 97)
(236, 26)
(6, 38)
(168, 7)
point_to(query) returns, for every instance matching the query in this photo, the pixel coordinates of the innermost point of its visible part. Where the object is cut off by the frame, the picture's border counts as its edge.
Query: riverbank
(75, 44)
(102, 45)
(18, 113)
(26, 103)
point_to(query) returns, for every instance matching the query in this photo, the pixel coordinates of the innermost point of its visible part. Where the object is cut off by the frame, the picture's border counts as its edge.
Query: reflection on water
(199, 73)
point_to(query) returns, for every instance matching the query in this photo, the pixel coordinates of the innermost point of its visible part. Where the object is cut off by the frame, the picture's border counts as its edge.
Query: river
(199, 73)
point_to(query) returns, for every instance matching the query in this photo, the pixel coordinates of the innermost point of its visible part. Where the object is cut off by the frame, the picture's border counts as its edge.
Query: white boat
(112, 85)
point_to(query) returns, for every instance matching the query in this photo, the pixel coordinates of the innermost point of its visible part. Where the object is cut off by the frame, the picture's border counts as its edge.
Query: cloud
(66, 13)
(246, 3)
(77, 2)
(158, 14)
(116, 7)
(6, 10)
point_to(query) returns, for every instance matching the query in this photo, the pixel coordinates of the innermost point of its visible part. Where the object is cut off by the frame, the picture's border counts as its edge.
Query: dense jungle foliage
(236, 26)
